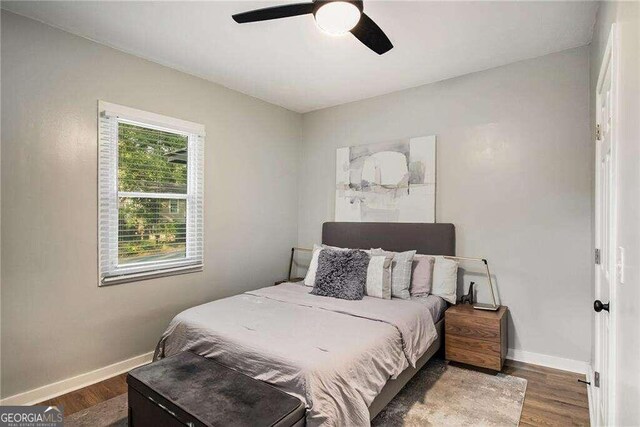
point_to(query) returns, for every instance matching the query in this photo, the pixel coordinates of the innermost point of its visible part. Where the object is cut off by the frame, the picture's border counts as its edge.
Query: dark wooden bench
(187, 389)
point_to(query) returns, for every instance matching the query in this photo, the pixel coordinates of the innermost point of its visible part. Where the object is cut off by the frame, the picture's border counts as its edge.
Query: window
(150, 195)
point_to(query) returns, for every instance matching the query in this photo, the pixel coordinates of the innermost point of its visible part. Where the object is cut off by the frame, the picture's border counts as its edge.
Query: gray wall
(514, 174)
(627, 17)
(56, 322)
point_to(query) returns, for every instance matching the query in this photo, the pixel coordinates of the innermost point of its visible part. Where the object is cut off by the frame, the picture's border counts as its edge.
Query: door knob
(598, 306)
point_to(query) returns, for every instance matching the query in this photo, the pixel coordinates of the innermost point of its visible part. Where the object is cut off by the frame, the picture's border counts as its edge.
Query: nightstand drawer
(479, 328)
(463, 354)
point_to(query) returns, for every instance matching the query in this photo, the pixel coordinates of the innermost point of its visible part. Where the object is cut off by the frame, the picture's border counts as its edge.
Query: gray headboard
(430, 239)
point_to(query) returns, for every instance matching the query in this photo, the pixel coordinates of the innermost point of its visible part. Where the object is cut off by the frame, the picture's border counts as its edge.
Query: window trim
(109, 117)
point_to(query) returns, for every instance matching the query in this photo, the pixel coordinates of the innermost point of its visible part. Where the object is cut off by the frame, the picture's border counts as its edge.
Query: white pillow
(379, 277)
(336, 248)
(445, 279)
(310, 278)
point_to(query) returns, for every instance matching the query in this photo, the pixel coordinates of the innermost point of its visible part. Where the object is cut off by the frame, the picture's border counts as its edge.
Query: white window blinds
(150, 195)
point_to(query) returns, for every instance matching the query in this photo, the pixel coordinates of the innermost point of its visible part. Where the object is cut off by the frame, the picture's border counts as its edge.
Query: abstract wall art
(391, 181)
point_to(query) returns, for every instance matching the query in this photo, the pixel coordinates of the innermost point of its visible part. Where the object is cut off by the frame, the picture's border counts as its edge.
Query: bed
(345, 359)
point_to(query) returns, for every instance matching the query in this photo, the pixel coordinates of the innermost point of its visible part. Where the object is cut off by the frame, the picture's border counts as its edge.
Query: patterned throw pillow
(400, 272)
(341, 274)
(379, 277)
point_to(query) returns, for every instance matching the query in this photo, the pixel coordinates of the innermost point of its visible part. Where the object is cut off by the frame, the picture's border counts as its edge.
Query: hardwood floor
(90, 396)
(553, 397)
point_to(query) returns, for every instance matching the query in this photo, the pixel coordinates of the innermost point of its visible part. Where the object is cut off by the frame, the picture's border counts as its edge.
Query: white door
(605, 238)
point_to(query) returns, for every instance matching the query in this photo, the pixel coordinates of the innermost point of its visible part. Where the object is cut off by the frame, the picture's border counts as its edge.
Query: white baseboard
(570, 365)
(59, 388)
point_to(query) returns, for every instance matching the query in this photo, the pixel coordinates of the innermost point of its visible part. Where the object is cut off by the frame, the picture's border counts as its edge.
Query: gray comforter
(335, 355)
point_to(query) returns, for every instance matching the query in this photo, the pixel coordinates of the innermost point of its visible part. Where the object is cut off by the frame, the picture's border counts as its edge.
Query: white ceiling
(289, 62)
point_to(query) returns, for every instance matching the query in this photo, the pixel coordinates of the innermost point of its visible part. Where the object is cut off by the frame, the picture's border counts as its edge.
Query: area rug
(439, 395)
(445, 395)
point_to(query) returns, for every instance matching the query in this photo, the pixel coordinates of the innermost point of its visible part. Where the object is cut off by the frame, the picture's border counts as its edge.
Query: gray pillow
(400, 271)
(341, 274)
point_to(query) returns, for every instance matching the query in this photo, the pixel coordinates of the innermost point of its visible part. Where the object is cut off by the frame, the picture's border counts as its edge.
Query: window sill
(136, 277)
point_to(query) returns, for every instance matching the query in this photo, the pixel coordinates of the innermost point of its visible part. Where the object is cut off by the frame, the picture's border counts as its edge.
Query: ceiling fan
(335, 17)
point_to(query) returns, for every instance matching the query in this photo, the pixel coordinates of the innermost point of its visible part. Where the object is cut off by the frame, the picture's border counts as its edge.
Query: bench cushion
(195, 389)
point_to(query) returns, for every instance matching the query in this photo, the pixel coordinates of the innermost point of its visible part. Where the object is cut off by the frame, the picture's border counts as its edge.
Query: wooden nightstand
(476, 337)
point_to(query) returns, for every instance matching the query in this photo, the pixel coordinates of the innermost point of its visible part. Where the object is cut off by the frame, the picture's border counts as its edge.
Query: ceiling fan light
(337, 17)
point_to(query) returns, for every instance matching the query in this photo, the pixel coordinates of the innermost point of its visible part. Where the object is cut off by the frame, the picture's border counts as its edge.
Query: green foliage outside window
(151, 228)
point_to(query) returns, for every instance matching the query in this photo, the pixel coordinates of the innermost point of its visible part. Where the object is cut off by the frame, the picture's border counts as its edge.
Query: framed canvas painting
(391, 181)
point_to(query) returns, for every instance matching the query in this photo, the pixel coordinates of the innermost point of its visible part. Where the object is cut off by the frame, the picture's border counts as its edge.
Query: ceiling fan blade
(275, 12)
(371, 35)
